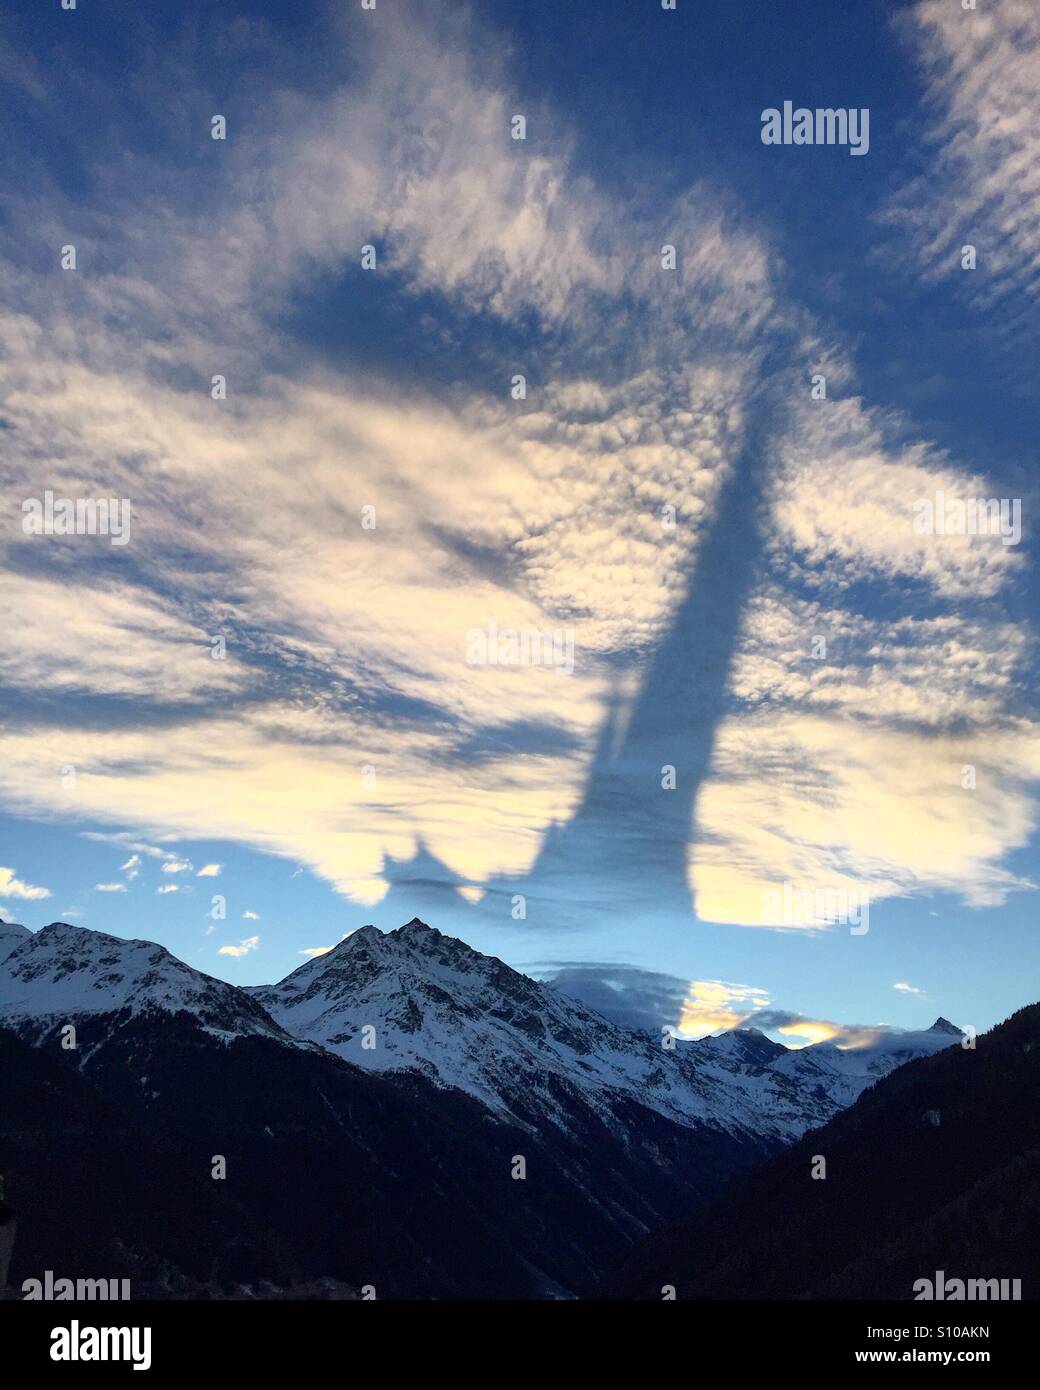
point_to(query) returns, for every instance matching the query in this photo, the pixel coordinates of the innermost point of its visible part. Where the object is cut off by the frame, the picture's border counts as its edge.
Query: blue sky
(346, 760)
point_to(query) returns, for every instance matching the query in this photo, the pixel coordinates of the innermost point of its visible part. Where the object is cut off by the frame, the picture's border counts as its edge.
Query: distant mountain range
(937, 1168)
(439, 1008)
(375, 1110)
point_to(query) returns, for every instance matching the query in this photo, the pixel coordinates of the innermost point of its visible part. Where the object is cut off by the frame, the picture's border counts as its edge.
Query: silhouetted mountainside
(331, 1172)
(372, 1110)
(98, 1193)
(936, 1167)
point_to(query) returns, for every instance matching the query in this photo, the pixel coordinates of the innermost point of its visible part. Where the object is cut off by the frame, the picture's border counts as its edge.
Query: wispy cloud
(982, 69)
(333, 725)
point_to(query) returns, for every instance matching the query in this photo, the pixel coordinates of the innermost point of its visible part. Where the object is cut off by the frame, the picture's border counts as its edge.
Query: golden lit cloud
(712, 1005)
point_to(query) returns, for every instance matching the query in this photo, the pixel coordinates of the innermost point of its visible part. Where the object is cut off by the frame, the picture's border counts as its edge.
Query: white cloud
(131, 867)
(125, 840)
(982, 185)
(176, 866)
(904, 988)
(548, 515)
(209, 871)
(929, 672)
(242, 949)
(168, 888)
(251, 916)
(874, 811)
(564, 498)
(314, 951)
(109, 887)
(843, 505)
(12, 887)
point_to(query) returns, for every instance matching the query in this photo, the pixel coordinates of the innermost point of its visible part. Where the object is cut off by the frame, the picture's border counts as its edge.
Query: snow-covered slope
(12, 934)
(844, 1073)
(820, 1080)
(414, 999)
(62, 973)
(417, 1000)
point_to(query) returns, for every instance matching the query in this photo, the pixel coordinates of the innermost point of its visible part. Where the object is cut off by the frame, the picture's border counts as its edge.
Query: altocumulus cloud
(982, 72)
(559, 502)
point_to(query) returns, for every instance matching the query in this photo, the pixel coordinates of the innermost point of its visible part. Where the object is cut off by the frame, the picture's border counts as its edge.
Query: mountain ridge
(417, 1000)
(64, 972)
(401, 1173)
(937, 1167)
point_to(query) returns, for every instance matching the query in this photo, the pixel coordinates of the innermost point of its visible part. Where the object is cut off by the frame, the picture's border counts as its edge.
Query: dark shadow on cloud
(517, 738)
(626, 846)
(96, 559)
(774, 1018)
(499, 566)
(623, 854)
(625, 994)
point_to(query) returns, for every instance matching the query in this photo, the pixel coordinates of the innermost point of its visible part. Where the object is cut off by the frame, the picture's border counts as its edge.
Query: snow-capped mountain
(418, 1000)
(64, 973)
(820, 1080)
(846, 1072)
(398, 1155)
(362, 1176)
(415, 999)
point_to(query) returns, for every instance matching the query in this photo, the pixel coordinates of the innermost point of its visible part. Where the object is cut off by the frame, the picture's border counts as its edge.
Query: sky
(385, 386)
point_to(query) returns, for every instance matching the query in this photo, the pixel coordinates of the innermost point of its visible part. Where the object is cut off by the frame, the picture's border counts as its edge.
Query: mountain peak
(366, 933)
(417, 929)
(943, 1025)
(63, 971)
